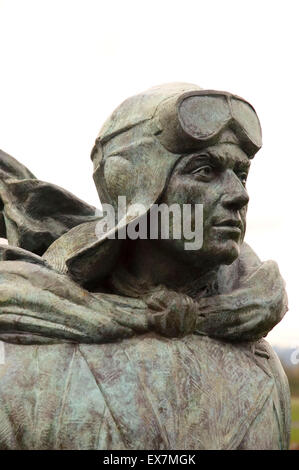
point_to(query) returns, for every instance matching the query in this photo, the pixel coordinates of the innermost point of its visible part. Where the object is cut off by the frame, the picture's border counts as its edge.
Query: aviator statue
(114, 343)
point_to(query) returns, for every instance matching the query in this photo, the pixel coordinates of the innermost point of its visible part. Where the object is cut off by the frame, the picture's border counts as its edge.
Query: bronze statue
(118, 342)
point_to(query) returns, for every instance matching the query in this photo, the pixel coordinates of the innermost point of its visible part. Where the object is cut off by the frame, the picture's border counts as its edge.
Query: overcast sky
(66, 64)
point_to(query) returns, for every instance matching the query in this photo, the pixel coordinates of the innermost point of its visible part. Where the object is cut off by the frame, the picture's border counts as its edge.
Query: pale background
(66, 64)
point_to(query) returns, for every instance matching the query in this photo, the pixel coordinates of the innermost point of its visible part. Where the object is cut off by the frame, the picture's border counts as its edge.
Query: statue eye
(206, 172)
(243, 178)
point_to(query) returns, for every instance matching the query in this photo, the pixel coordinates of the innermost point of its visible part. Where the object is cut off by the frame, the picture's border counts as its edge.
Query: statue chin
(225, 253)
(231, 253)
(212, 254)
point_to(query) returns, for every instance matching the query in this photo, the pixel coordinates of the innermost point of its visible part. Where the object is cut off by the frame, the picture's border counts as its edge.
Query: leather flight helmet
(136, 151)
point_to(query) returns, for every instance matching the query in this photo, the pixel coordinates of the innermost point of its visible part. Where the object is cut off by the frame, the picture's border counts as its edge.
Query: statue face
(216, 178)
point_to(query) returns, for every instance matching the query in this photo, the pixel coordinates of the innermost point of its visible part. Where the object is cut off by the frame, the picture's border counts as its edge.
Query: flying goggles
(196, 119)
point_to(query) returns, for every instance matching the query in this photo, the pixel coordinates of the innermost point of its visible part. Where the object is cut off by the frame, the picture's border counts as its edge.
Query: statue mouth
(233, 226)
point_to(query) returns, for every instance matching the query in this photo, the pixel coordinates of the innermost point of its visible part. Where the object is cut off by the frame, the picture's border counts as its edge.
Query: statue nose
(235, 196)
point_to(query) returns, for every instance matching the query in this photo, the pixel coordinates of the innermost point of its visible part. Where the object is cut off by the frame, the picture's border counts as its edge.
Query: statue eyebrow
(242, 165)
(205, 157)
(215, 159)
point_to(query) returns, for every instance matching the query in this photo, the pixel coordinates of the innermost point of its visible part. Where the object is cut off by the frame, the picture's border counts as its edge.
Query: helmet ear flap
(120, 177)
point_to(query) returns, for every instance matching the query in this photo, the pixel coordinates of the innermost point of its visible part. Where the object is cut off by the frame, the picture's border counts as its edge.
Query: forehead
(224, 155)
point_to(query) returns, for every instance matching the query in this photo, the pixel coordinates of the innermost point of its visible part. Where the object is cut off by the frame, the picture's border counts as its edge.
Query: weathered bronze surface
(142, 344)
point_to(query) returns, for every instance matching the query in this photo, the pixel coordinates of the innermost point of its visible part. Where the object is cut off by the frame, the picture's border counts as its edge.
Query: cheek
(176, 193)
(243, 213)
(188, 191)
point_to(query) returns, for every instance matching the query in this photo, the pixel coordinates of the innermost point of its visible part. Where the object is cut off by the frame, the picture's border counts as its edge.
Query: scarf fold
(39, 305)
(34, 213)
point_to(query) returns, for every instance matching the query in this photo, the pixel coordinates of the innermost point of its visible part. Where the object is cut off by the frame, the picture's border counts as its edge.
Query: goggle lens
(203, 116)
(244, 114)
